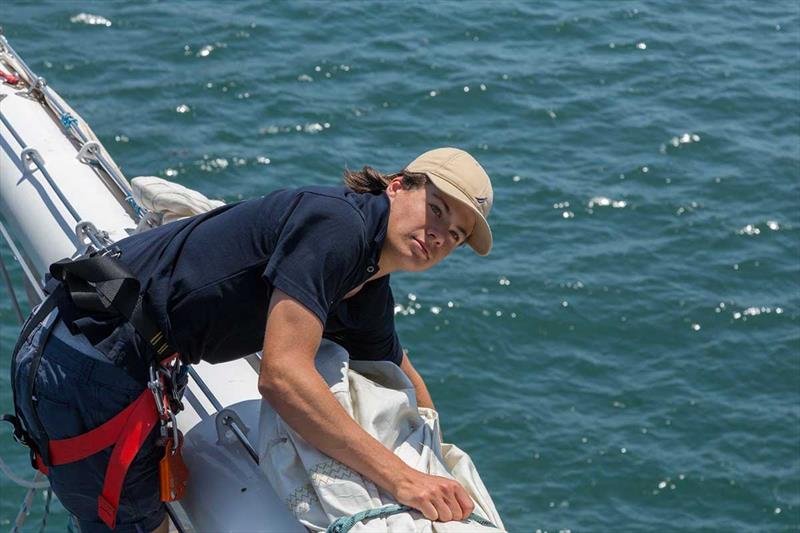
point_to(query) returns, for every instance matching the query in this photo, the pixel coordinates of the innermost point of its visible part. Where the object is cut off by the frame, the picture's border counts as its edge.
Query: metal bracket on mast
(231, 428)
(99, 238)
(223, 422)
(37, 87)
(32, 158)
(88, 152)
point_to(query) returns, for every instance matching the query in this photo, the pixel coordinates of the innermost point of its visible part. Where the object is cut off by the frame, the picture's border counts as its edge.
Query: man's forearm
(304, 401)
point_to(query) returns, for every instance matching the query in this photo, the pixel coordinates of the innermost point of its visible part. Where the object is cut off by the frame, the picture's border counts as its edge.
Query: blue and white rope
(68, 120)
(346, 523)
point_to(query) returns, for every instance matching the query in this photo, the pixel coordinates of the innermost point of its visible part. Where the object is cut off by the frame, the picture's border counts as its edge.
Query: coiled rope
(346, 523)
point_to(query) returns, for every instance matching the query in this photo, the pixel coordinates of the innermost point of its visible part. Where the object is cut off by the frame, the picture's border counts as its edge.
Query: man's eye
(436, 210)
(454, 235)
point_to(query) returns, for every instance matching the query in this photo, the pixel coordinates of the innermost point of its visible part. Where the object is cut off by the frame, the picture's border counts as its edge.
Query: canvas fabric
(172, 200)
(379, 396)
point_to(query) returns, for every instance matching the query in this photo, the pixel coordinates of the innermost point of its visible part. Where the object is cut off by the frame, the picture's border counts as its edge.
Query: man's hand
(437, 498)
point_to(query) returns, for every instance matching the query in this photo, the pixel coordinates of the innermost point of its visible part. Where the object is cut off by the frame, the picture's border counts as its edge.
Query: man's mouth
(424, 249)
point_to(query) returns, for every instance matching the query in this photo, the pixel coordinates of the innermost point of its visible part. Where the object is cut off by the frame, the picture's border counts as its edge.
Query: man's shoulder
(337, 203)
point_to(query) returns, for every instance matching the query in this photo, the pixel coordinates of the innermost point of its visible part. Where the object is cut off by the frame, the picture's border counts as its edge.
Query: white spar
(226, 491)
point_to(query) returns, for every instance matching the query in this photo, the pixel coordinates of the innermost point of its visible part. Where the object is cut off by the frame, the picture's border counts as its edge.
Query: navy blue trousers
(75, 393)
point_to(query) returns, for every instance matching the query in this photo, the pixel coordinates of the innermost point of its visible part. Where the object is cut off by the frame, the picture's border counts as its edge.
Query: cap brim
(481, 237)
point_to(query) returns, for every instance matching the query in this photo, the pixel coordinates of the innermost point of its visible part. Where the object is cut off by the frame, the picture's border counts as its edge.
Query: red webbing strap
(40, 466)
(66, 451)
(139, 424)
(127, 431)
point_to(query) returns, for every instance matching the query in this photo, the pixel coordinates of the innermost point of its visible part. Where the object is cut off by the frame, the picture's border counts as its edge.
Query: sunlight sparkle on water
(90, 20)
(205, 51)
(749, 230)
(678, 140)
(602, 201)
(686, 138)
(316, 127)
(755, 311)
(754, 229)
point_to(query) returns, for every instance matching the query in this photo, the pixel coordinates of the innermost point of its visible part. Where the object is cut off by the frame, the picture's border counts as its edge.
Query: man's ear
(395, 185)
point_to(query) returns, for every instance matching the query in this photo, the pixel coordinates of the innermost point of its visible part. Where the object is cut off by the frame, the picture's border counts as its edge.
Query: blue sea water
(628, 357)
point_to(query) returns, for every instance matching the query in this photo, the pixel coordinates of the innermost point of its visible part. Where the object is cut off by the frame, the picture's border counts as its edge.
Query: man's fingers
(455, 509)
(445, 513)
(465, 502)
(428, 511)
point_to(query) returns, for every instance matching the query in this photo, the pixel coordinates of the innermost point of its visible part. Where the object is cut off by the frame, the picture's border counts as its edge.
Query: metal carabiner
(176, 434)
(154, 384)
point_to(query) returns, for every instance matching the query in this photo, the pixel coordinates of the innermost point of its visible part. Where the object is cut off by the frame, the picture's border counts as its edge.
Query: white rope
(24, 511)
(47, 499)
(36, 484)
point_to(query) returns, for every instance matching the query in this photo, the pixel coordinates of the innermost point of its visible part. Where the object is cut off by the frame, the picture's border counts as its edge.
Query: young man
(277, 273)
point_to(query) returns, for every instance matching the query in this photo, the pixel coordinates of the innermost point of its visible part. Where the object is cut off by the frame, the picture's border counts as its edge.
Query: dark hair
(370, 180)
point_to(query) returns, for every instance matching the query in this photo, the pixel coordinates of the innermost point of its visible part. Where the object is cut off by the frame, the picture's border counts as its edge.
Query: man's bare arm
(423, 396)
(290, 382)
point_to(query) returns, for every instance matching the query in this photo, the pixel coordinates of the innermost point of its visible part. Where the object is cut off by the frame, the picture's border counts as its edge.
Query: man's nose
(438, 232)
(435, 236)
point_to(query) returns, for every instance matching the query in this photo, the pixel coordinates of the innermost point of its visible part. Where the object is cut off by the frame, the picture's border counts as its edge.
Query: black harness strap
(102, 285)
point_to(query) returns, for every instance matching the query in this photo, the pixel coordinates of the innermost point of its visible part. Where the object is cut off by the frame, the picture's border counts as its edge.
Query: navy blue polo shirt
(208, 279)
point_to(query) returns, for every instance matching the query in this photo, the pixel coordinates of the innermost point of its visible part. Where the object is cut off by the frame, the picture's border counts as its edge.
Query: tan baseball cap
(460, 176)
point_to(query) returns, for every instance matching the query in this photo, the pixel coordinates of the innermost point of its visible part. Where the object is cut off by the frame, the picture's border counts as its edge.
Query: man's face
(425, 225)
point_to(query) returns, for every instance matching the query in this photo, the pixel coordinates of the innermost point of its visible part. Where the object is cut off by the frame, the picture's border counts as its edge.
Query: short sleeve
(370, 333)
(317, 251)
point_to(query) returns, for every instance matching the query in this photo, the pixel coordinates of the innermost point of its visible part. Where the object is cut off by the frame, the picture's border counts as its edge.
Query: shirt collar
(375, 208)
